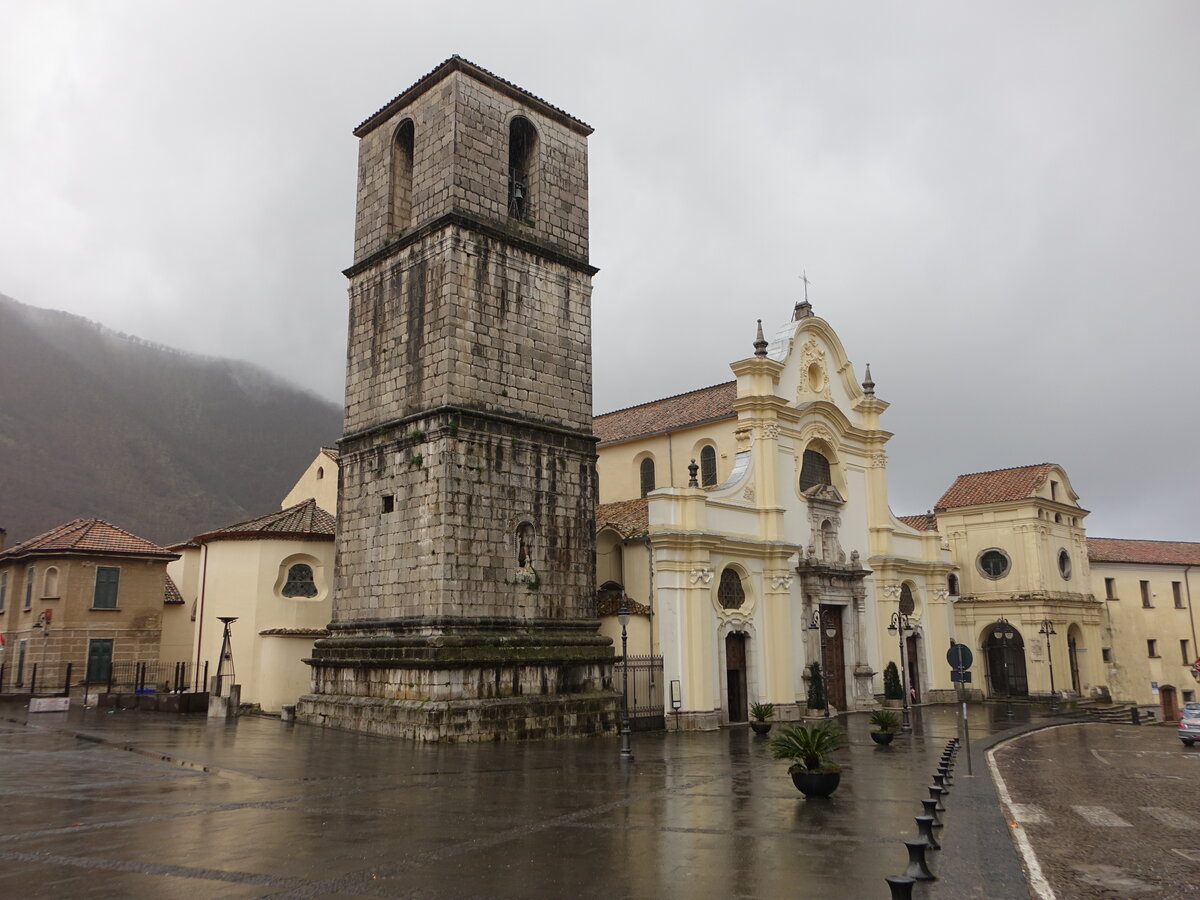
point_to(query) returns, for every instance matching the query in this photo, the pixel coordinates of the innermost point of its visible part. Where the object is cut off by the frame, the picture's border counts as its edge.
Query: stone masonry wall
(461, 487)
(462, 319)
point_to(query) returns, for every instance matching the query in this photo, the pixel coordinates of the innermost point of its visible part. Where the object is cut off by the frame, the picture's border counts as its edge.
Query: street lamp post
(898, 625)
(1003, 632)
(824, 626)
(623, 618)
(43, 622)
(1048, 629)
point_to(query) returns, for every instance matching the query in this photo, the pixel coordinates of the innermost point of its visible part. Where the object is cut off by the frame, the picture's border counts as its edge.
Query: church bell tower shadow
(464, 597)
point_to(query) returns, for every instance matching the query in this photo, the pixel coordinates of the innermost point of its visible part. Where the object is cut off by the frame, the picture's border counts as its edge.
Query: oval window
(993, 563)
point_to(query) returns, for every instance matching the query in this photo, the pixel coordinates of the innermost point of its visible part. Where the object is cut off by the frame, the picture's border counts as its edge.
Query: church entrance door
(1006, 661)
(834, 663)
(913, 655)
(735, 675)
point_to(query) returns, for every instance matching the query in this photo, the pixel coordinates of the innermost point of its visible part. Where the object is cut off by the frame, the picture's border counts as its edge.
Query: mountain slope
(162, 443)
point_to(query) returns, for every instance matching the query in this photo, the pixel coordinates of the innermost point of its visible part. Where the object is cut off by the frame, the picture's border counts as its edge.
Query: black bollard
(936, 793)
(944, 771)
(901, 887)
(925, 831)
(917, 869)
(931, 811)
(940, 780)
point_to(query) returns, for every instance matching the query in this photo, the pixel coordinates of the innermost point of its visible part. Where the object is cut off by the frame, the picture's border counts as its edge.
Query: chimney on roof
(868, 385)
(760, 343)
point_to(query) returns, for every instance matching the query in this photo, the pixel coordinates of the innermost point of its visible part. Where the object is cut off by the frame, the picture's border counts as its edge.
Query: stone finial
(868, 385)
(802, 311)
(760, 343)
(692, 470)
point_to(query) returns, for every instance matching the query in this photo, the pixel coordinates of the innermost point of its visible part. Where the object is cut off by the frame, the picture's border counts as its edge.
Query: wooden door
(1166, 697)
(735, 676)
(99, 662)
(834, 662)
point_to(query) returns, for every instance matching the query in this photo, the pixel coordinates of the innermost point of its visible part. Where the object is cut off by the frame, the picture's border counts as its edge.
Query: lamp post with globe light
(897, 626)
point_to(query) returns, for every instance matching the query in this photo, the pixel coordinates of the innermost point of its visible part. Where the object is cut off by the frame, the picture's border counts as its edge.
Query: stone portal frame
(735, 625)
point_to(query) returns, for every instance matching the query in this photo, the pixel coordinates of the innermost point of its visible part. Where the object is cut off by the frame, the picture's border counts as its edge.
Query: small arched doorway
(1073, 636)
(1168, 702)
(913, 655)
(735, 675)
(1004, 649)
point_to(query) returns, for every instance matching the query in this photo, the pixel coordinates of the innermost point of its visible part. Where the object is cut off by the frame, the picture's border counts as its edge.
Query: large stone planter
(815, 784)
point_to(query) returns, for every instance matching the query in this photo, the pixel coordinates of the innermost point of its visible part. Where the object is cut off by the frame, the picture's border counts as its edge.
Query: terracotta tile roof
(997, 486)
(304, 520)
(88, 536)
(331, 452)
(630, 518)
(1163, 553)
(922, 522)
(457, 63)
(693, 408)
(171, 594)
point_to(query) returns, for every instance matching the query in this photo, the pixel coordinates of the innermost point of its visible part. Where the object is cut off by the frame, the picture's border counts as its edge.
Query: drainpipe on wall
(200, 615)
(1187, 585)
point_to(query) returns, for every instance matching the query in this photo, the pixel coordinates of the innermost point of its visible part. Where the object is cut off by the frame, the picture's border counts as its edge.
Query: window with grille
(108, 579)
(730, 593)
(952, 584)
(647, 475)
(708, 467)
(814, 470)
(993, 563)
(300, 582)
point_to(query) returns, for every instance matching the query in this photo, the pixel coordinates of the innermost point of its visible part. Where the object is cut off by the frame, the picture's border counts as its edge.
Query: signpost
(960, 658)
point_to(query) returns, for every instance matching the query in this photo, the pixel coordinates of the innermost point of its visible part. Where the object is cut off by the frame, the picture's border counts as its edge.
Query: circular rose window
(994, 563)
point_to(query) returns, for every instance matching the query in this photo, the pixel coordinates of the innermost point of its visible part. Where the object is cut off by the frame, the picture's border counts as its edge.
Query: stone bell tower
(465, 550)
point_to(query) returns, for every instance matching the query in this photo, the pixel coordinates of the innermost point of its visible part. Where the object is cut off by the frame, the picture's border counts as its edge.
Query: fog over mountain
(162, 443)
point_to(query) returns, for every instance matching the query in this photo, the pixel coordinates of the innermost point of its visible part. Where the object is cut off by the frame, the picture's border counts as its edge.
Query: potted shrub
(808, 747)
(816, 690)
(893, 691)
(761, 715)
(886, 722)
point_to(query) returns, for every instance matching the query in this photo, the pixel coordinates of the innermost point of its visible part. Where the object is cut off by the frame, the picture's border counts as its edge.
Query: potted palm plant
(808, 746)
(886, 722)
(761, 715)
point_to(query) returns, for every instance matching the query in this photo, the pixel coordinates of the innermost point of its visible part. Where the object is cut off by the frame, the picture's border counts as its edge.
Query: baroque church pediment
(825, 493)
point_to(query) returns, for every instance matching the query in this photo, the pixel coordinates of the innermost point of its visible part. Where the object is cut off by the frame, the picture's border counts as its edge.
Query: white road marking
(1027, 813)
(1096, 753)
(1101, 816)
(1037, 881)
(1172, 818)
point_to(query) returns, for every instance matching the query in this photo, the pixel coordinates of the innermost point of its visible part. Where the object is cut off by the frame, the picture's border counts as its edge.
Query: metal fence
(58, 678)
(645, 691)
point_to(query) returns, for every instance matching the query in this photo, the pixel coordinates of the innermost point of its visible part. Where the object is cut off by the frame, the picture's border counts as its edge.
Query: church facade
(747, 527)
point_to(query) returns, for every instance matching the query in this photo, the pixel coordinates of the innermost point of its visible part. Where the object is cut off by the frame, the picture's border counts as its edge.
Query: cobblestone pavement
(144, 805)
(1110, 811)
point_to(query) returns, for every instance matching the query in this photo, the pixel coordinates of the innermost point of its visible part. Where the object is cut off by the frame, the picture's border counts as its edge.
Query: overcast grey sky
(995, 203)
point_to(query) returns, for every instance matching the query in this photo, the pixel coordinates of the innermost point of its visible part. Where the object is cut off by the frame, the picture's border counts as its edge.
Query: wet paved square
(158, 806)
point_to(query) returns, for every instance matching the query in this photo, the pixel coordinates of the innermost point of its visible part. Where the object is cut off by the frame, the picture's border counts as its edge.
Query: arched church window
(320, 472)
(647, 475)
(300, 582)
(730, 593)
(50, 583)
(952, 584)
(402, 175)
(522, 153)
(708, 466)
(814, 470)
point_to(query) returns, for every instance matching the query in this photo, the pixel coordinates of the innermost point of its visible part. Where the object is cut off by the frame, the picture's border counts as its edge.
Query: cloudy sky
(996, 203)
